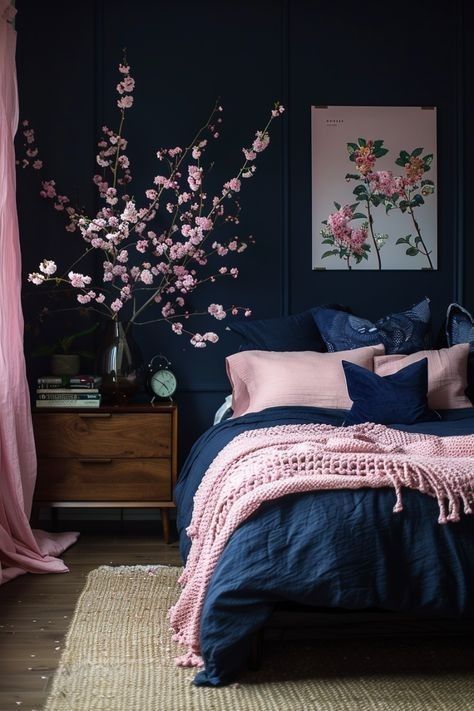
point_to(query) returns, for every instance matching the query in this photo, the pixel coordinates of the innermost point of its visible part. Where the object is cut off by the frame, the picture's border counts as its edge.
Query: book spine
(61, 386)
(67, 396)
(68, 403)
(50, 392)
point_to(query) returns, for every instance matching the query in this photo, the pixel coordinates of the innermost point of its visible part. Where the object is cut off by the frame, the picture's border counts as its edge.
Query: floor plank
(35, 610)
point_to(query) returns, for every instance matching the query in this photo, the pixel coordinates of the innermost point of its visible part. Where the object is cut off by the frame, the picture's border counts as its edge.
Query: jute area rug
(119, 654)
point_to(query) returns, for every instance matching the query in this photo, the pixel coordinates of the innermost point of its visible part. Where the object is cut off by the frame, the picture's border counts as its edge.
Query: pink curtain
(21, 549)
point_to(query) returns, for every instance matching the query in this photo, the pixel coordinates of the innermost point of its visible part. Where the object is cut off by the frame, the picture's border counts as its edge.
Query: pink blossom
(49, 191)
(123, 69)
(249, 155)
(130, 213)
(119, 270)
(177, 328)
(217, 311)
(116, 305)
(194, 178)
(167, 310)
(124, 162)
(37, 164)
(126, 102)
(36, 278)
(261, 142)
(234, 272)
(48, 267)
(127, 84)
(142, 245)
(111, 196)
(79, 280)
(220, 249)
(151, 194)
(248, 312)
(100, 298)
(122, 256)
(383, 182)
(172, 152)
(211, 337)
(184, 197)
(204, 223)
(180, 301)
(197, 341)
(146, 276)
(357, 239)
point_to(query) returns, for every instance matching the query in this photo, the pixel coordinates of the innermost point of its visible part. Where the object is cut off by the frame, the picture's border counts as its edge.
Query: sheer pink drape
(21, 549)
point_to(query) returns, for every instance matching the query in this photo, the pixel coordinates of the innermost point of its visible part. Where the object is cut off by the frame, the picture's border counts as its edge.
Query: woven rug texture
(118, 656)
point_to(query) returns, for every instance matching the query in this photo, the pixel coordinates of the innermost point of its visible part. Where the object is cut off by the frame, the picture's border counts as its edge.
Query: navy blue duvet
(338, 549)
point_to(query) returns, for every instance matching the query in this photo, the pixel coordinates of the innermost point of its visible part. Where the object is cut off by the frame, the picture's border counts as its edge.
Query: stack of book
(68, 391)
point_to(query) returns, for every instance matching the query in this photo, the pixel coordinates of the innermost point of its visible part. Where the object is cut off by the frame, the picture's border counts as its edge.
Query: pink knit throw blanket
(265, 464)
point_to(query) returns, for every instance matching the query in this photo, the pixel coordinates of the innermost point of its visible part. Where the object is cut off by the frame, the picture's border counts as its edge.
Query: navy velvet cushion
(285, 333)
(405, 332)
(400, 398)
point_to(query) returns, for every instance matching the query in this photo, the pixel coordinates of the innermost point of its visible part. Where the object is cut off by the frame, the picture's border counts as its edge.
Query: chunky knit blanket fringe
(265, 464)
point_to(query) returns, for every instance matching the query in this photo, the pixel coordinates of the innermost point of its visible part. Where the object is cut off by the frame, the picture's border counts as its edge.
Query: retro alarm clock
(160, 379)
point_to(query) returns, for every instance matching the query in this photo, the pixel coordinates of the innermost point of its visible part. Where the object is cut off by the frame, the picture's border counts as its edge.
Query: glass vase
(118, 365)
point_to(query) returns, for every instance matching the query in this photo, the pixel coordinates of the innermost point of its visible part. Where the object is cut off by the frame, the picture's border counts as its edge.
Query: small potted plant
(64, 358)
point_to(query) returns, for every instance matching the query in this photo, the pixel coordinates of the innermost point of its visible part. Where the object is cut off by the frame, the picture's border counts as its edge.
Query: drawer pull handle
(95, 415)
(95, 461)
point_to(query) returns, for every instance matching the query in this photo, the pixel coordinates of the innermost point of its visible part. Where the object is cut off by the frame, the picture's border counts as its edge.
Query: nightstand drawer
(103, 479)
(98, 434)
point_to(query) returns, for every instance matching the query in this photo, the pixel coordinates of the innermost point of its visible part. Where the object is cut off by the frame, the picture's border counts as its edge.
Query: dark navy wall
(249, 53)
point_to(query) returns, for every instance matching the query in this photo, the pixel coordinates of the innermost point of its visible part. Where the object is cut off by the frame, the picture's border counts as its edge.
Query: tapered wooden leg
(165, 521)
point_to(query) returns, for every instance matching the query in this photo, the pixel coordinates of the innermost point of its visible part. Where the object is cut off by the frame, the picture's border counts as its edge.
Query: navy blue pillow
(400, 398)
(460, 329)
(459, 326)
(405, 332)
(285, 333)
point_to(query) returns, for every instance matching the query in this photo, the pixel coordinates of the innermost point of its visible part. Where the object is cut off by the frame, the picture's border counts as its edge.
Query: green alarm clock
(161, 380)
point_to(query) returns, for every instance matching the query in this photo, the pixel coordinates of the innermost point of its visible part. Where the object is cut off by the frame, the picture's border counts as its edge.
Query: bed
(344, 550)
(342, 482)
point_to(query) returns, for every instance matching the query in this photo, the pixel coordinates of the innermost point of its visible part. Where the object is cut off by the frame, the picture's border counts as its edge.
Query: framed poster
(374, 187)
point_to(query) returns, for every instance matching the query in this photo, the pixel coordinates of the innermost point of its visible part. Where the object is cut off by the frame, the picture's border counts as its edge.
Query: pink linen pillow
(262, 379)
(447, 374)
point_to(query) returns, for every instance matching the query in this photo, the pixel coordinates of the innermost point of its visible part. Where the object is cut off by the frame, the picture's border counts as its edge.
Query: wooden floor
(35, 610)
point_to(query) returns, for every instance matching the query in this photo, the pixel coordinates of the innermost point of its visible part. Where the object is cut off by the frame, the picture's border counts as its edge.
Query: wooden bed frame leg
(254, 661)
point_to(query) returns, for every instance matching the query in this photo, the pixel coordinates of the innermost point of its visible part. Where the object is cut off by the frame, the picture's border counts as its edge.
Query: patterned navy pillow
(400, 398)
(405, 332)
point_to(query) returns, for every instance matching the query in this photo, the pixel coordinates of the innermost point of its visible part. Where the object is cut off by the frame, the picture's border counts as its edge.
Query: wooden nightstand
(116, 457)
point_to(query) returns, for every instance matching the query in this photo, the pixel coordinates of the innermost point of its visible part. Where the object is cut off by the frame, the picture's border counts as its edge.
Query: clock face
(163, 383)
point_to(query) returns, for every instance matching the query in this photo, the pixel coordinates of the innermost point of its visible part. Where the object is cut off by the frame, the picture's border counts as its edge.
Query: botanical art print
(374, 188)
